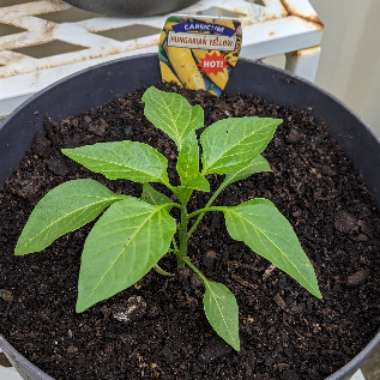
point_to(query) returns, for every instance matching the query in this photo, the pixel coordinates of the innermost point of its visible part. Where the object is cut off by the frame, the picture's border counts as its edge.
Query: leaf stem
(173, 189)
(188, 262)
(209, 203)
(169, 186)
(172, 204)
(203, 210)
(175, 246)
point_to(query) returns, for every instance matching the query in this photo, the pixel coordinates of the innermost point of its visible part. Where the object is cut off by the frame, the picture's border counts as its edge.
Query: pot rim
(275, 69)
(16, 357)
(350, 367)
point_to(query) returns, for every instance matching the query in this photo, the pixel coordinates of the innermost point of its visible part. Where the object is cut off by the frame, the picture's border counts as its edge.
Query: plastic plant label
(199, 53)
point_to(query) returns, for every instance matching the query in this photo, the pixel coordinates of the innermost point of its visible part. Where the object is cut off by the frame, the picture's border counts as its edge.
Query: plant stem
(207, 206)
(202, 277)
(182, 253)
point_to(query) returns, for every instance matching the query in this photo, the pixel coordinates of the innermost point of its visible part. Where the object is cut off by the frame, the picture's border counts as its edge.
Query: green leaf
(64, 209)
(183, 194)
(260, 225)
(188, 165)
(258, 165)
(172, 114)
(222, 312)
(231, 144)
(154, 197)
(129, 160)
(125, 244)
(199, 183)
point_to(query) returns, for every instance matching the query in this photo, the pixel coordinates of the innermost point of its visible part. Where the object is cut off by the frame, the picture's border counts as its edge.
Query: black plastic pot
(132, 7)
(99, 85)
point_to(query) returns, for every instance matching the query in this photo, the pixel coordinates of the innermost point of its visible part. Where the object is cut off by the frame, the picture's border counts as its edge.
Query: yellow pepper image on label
(199, 53)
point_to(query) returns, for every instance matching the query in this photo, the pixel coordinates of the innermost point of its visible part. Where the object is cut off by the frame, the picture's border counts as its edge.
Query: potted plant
(156, 328)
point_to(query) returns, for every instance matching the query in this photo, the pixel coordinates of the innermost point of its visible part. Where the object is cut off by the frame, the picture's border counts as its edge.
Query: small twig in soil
(268, 272)
(243, 282)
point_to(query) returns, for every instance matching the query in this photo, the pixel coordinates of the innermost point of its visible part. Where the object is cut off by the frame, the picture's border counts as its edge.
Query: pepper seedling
(133, 234)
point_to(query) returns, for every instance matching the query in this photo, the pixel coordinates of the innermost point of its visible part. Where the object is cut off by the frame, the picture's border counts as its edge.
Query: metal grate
(67, 15)
(47, 49)
(130, 32)
(6, 29)
(44, 40)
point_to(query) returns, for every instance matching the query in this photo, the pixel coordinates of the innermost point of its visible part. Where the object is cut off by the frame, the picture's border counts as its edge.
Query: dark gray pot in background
(93, 87)
(131, 7)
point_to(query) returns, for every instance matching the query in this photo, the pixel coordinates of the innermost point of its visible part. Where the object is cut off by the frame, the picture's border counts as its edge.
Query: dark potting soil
(285, 332)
